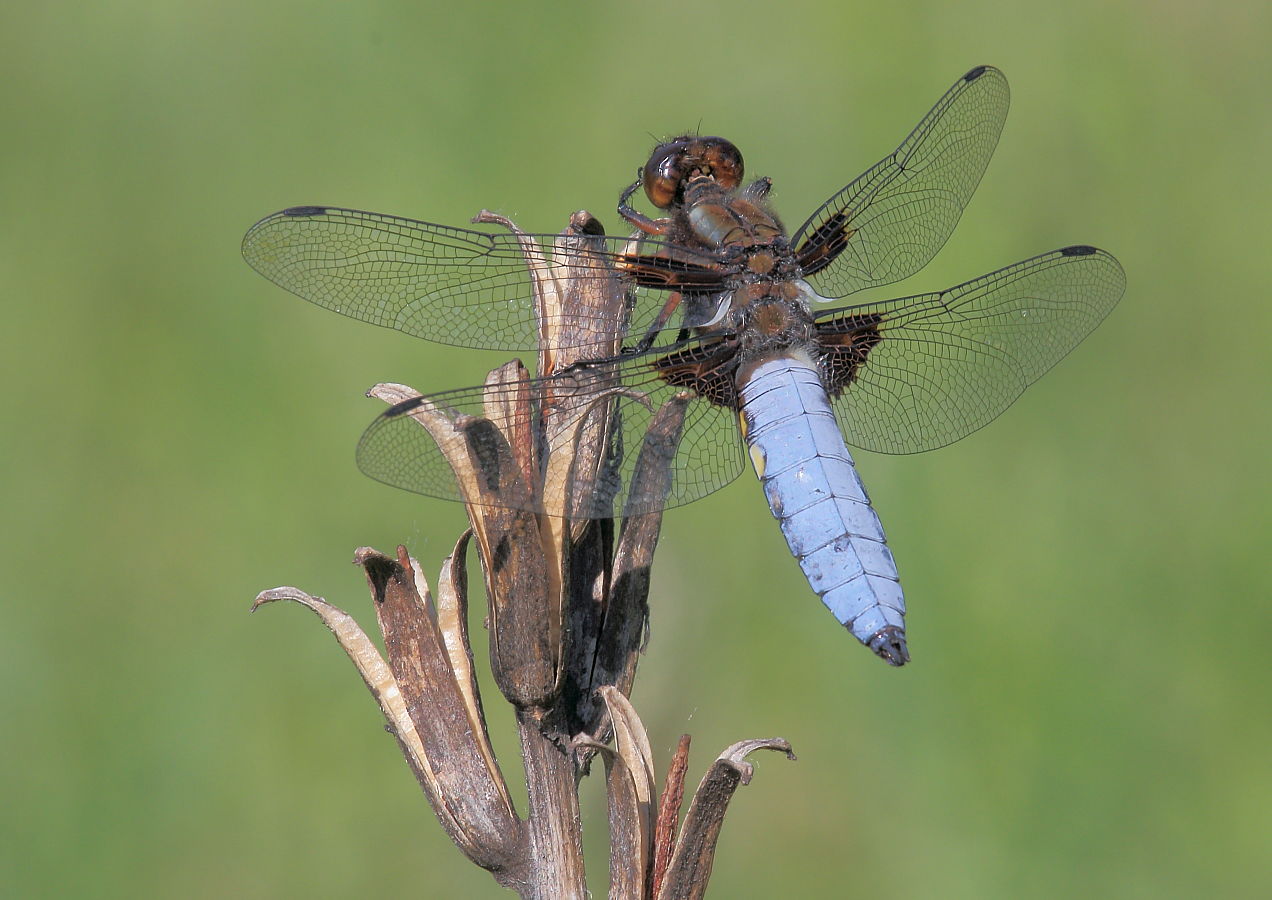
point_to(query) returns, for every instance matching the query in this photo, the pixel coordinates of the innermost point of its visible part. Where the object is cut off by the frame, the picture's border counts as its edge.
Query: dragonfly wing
(921, 372)
(889, 222)
(610, 405)
(452, 285)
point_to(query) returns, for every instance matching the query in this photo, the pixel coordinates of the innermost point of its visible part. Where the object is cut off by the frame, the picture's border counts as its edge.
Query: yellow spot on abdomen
(757, 459)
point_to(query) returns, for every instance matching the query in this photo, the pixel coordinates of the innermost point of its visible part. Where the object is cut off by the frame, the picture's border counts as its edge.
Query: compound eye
(724, 161)
(663, 173)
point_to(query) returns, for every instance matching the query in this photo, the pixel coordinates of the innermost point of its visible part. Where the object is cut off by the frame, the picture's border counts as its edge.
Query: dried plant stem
(567, 618)
(555, 827)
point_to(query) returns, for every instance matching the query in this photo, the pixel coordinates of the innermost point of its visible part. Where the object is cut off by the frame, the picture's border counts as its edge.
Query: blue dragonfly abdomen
(820, 503)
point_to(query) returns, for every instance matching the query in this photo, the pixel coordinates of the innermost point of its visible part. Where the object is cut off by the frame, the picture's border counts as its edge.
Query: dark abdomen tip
(889, 645)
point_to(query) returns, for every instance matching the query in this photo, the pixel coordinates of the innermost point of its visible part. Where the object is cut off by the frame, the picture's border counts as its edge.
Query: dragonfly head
(674, 162)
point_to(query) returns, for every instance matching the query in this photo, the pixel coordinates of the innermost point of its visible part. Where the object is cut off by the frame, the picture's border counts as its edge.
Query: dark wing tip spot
(975, 73)
(1079, 250)
(303, 211)
(402, 407)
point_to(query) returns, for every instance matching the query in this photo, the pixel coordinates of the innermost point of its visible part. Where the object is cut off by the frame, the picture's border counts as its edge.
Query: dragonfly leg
(758, 189)
(659, 323)
(637, 218)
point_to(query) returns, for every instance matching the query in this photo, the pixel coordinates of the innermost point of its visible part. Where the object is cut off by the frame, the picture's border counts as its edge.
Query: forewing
(887, 224)
(620, 397)
(936, 367)
(449, 285)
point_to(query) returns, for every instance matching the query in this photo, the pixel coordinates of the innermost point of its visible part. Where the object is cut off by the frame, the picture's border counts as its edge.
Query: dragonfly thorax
(720, 219)
(769, 315)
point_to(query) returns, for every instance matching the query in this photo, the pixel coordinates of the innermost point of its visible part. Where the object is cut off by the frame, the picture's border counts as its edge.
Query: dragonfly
(721, 303)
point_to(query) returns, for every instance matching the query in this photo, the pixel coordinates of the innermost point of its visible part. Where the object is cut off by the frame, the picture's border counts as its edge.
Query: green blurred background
(1087, 711)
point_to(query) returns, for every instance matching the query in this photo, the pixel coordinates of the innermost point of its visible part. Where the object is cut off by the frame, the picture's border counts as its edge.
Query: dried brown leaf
(691, 863)
(632, 746)
(452, 621)
(667, 825)
(469, 789)
(629, 849)
(428, 769)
